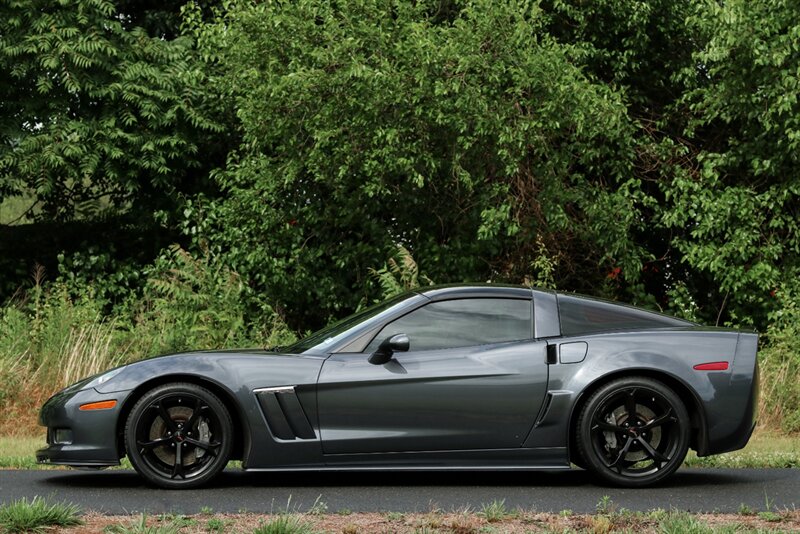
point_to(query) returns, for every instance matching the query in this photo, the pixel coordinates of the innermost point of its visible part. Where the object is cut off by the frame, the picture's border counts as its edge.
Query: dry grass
(87, 349)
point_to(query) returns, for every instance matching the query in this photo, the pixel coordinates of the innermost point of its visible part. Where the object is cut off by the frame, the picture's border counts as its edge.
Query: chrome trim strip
(279, 389)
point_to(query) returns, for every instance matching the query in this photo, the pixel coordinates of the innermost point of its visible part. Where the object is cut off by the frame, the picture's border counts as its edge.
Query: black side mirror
(390, 345)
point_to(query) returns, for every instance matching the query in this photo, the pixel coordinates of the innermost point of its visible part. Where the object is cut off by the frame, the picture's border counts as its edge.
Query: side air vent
(284, 414)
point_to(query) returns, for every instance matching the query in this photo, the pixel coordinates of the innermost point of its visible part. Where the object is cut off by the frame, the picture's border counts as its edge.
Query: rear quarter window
(580, 315)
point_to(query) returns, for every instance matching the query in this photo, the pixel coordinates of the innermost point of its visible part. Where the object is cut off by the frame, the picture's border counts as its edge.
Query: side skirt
(541, 458)
(413, 468)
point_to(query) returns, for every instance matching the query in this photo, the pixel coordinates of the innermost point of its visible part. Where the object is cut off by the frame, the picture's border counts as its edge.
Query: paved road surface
(121, 492)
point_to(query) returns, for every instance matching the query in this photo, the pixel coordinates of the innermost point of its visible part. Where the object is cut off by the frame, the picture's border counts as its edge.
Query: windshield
(332, 332)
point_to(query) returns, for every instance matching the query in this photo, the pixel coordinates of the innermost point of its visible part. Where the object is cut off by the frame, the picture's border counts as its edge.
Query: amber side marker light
(713, 366)
(102, 405)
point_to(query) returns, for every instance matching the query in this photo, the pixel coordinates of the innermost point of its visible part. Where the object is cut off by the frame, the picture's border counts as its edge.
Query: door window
(461, 323)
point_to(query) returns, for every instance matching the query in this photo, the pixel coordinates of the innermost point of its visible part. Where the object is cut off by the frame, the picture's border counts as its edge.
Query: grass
(285, 524)
(683, 523)
(216, 524)
(141, 525)
(494, 511)
(37, 515)
(764, 450)
(18, 452)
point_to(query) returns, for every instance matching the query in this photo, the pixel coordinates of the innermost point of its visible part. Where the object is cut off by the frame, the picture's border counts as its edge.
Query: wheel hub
(179, 414)
(633, 429)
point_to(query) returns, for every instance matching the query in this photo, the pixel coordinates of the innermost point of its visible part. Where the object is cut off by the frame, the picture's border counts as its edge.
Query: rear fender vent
(284, 413)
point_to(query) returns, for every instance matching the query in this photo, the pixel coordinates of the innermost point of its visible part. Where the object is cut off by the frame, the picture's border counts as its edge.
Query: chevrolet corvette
(465, 377)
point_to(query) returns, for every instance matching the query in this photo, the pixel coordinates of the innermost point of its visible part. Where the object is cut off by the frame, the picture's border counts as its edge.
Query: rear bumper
(80, 438)
(736, 407)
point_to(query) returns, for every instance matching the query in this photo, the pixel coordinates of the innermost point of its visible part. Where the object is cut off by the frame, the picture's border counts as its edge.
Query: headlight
(102, 378)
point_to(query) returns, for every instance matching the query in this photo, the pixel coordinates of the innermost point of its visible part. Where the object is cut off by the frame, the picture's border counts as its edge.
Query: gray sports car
(459, 377)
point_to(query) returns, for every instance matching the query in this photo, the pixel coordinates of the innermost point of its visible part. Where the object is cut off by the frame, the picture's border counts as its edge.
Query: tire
(633, 432)
(179, 436)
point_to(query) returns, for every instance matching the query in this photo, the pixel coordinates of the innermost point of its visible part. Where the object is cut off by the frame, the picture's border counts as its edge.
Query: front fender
(239, 374)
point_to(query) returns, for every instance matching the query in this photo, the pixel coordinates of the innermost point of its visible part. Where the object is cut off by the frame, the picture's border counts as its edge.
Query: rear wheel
(179, 436)
(633, 432)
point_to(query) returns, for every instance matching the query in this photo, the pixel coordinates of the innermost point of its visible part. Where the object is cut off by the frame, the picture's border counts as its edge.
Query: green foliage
(636, 45)
(399, 274)
(96, 114)
(544, 268)
(733, 206)
(369, 123)
(37, 515)
(195, 302)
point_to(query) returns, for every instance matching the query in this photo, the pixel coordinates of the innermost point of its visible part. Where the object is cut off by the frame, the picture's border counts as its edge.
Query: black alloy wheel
(633, 432)
(179, 435)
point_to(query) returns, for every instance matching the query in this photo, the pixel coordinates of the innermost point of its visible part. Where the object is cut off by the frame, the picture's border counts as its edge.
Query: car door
(473, 378)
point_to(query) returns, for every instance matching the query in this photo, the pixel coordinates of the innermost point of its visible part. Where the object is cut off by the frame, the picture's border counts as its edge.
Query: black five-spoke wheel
(178, 435)
(633, 432)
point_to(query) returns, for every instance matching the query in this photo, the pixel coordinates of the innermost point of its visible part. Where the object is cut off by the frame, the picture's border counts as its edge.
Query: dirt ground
(466, 522)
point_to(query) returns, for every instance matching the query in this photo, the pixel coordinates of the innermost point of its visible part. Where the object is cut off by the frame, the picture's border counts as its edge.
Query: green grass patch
(141, 525)
(494, 511)
(764, 450)
(37, 515)
(20, 452)
(285, 524)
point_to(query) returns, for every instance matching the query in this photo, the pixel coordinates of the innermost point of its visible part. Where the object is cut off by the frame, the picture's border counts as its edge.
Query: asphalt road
(122, 492)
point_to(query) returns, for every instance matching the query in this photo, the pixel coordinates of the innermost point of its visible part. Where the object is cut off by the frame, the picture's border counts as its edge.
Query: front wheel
(179, 436)
(633, 432)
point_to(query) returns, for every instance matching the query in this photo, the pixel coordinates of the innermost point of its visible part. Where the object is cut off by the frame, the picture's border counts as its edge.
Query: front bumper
(92, 435)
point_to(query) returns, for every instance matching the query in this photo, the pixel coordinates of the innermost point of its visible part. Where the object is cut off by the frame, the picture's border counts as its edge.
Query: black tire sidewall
(213, 402)
(584, 432)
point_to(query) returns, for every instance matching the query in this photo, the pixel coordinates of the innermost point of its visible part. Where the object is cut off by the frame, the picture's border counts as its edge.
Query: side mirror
(390, 345)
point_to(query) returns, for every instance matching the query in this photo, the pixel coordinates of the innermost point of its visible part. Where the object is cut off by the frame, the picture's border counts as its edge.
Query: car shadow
(238, 479)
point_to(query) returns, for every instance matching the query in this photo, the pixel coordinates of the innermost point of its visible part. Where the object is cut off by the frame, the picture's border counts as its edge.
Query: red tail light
(711, 366)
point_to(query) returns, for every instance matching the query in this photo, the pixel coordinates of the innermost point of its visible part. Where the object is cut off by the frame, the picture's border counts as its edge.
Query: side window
(461, 323)
(583, 316)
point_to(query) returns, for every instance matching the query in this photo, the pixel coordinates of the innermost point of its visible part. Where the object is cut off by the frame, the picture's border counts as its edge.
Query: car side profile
(470, 377)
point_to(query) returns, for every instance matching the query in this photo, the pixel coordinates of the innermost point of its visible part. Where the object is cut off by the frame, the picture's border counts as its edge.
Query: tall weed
(779, 363)
(57, 333)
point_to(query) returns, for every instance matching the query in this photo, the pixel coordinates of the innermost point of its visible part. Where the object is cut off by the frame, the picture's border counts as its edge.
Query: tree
(735, 208)
(470, 139)
(103, 123)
